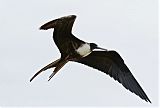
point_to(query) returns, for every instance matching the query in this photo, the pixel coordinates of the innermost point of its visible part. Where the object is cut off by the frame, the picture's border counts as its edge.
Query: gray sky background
(128, 26)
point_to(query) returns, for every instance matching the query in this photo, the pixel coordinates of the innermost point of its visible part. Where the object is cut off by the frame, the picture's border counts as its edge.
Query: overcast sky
(128, 26)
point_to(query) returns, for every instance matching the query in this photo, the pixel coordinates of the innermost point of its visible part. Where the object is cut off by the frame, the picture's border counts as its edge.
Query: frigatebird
(74, 49)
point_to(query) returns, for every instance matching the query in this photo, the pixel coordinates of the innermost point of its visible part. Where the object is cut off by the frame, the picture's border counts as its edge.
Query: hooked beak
(101, 48)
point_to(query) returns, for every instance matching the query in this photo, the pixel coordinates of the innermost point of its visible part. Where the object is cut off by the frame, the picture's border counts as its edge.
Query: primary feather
(113, 65)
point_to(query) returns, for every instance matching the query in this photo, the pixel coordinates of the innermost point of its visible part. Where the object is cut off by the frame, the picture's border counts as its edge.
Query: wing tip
(147, 100)
(53, 23)
(43, 27)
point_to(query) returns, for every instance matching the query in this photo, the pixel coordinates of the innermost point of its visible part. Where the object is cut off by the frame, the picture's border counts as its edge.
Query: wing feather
(58, 23)
(111, 63)
(62, 35)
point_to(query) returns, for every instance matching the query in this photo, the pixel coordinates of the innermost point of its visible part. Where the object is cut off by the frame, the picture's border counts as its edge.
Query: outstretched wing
(62, 35)
(112, 64)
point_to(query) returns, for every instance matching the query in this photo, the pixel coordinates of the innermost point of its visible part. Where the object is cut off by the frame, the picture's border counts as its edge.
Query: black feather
(111, 63)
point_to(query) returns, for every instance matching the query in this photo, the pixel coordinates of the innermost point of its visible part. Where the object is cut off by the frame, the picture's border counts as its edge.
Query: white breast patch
(84, 50)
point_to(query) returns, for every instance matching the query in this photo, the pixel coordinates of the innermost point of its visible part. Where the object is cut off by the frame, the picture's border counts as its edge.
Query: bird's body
(84, 50)
(74, 49)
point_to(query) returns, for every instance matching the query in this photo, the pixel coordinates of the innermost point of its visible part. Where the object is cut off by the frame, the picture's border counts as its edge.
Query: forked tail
(51, 65)
(58, 67)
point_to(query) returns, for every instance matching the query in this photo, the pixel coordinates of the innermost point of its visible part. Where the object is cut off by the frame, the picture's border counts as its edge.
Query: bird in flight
(76, 50)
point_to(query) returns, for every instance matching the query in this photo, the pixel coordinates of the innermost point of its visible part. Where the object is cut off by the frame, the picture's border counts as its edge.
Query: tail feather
(53, 64)
(58, 67)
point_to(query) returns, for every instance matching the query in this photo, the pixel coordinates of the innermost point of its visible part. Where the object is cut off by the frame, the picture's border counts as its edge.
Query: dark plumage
(112, 64)
(74, 49)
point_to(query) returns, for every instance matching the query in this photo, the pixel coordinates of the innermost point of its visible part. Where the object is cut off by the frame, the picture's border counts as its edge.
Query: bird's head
(95, 46)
